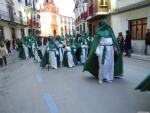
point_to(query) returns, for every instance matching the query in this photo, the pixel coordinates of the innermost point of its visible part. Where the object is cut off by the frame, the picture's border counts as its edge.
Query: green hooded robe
(92, 64)
(21, 51)
(45, 60)
(144, 85)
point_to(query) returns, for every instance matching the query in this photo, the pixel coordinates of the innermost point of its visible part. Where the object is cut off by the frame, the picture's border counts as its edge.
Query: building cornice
(139, 5)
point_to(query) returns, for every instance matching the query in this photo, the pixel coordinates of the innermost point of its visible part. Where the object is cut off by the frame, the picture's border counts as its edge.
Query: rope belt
(52, 50)
(106, 45)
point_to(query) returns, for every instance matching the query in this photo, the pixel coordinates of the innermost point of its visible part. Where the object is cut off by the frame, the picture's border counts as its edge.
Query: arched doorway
(54, 32)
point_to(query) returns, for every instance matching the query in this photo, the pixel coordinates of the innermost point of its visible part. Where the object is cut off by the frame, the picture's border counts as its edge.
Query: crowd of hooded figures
(67, 51)
(96, 53)
(100, 54)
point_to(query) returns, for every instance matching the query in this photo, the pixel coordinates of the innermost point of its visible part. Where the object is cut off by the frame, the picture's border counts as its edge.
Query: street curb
(140, 57)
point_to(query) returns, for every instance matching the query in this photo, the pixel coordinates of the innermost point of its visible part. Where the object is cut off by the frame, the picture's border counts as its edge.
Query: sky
(65, 6)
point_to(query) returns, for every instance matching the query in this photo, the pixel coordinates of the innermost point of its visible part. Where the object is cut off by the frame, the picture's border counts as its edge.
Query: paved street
(26, 88)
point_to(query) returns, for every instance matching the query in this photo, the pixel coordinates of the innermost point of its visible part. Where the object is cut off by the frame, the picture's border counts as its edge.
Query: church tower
(49, 16)
(48, 1)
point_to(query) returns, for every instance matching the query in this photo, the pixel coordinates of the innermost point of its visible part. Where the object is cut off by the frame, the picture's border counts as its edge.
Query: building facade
(66, 25)
(52, 23)
(132, 15)
(81, 14)
(18, 18)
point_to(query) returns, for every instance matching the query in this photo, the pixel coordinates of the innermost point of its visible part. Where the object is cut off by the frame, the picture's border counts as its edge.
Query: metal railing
(4, 15)
(17, 20)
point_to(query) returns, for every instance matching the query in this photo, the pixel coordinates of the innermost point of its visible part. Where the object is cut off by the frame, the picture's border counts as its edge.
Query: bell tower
(49, 1)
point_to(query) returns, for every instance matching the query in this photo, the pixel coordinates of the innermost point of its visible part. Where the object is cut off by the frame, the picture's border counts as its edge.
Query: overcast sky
(65, 7)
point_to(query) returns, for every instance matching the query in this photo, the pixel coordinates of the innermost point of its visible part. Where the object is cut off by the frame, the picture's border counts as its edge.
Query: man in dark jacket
(128, 44)
(147, 41)
(8, 45)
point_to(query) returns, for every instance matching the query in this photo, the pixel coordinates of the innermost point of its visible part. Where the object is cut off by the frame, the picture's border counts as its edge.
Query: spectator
(3, 53)
(8, 45)
(120, 39)
(17, 44)
(128, 44)
(147, 41)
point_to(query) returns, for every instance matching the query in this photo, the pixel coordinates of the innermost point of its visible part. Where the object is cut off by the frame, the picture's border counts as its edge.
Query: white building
(18, 18)
(132, 15)
(81, 14)
(66, 25)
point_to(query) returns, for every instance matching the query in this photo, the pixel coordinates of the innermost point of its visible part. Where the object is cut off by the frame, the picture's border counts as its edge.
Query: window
(138, 28)
(77, 28)
(80, 28)
(72, 29)
(11, 15)
(29, 31)
(22, 33)
(20, 15)
(84, 27)
(91, 1)
(104, 2)
(65, 28)
(26, 2)
(62, 29)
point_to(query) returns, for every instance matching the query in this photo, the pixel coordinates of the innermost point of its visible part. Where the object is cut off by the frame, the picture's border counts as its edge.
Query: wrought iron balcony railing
(4, 15)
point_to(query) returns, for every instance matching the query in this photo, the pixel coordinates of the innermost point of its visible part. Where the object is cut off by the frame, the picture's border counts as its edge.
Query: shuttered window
(138, 28)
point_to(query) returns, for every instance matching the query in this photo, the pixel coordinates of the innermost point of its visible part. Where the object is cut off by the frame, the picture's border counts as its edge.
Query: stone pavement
(26, 88)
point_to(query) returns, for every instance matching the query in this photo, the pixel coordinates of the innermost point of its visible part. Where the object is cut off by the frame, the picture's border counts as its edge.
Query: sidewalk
(140, 57)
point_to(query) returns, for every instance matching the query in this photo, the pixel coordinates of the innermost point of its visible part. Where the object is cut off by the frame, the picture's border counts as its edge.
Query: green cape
(92, 64)
(144, 85)
(21, 51)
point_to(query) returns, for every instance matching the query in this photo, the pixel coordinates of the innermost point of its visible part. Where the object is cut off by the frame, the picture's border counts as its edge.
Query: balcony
(99, 10)
(17, 20)
(84, 15)
(85, 1)
(12, 19)
(4, 15)
(33, 23)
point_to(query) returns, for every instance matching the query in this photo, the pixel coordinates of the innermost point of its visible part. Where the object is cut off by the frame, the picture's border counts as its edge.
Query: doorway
(22, 33)
(54, 32)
